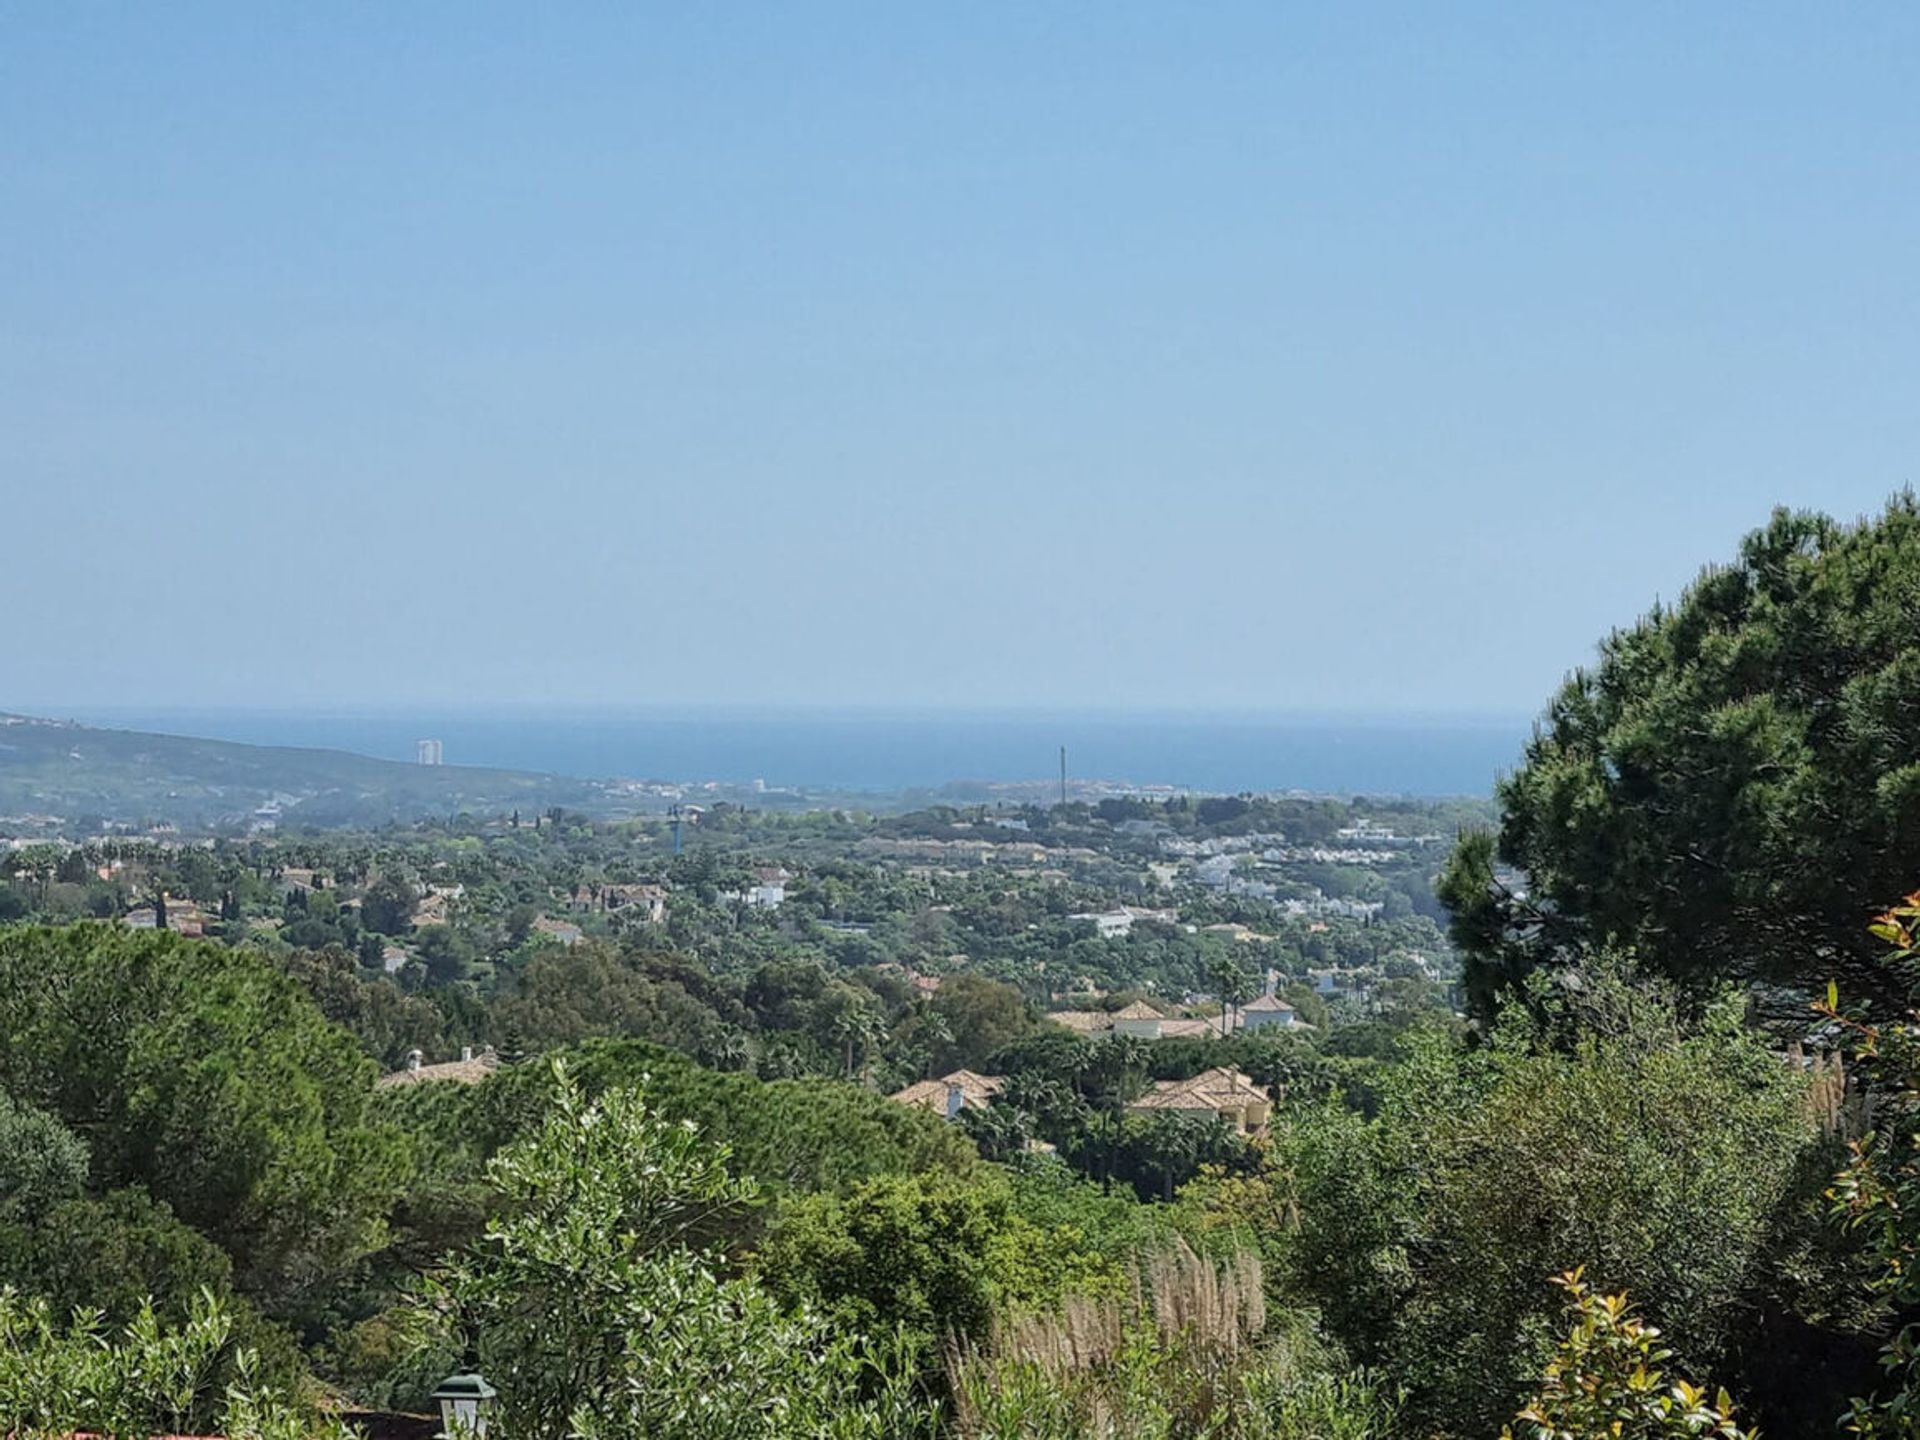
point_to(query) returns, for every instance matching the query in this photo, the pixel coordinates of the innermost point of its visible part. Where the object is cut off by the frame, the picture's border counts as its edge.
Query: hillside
(78, 773)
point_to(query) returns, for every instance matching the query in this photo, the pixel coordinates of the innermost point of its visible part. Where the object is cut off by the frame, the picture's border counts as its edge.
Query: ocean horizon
(902, 750)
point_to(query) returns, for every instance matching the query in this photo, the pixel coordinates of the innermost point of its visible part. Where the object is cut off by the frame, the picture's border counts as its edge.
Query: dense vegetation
(1660, 1183)
(1734, 788)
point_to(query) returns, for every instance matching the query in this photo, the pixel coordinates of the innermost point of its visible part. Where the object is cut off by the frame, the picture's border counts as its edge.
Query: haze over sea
(910, 749)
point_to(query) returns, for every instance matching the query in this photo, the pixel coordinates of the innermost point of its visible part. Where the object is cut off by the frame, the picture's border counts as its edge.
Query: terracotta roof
(1221, 1088)
(1138, 1010)
(1265, 1003)
(1208, 1027)
(1085, 1022)
(976, 1091)
(469, 1071)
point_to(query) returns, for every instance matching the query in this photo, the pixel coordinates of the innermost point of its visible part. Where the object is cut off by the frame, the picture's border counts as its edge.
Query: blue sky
(1250, 356)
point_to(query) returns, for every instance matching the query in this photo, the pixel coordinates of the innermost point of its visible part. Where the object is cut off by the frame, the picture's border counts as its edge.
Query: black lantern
(466, 1401)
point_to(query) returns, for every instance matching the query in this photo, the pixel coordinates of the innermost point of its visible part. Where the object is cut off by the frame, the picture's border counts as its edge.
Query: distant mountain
(77, 772)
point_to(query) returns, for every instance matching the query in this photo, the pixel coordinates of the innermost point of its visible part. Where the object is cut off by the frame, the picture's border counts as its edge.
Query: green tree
(1599, 1127)
(1733, 787)
(933, 1255)
(981, 1016)
(1233, 983)
(387, 905)
(599, 1318)
(208, 1077)
(41, 1162)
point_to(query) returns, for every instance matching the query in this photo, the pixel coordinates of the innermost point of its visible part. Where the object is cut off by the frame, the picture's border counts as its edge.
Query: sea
(908, 750)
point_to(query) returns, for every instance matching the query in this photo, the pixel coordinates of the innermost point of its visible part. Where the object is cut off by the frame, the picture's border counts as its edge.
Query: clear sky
(1245, 355)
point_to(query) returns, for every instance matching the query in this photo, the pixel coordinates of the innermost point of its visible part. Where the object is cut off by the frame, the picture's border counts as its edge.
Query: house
(1107, 924)
(184, 917)
(1222, 1091)
(1082, 1022)
(1245, 934)
(1139, 1019)
(1269, 1012)
(1206, 1027)
(950, 1094)
(563, 931)
(767, 895)
(432, 910)
(469, 1069)
(646, 903)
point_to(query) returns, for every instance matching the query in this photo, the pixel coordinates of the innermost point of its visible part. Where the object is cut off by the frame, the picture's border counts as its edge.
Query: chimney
(414, 1057)
(466, 1053)
(956, 1099)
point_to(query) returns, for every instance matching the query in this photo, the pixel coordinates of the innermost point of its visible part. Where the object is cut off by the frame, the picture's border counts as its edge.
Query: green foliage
(41, 1163)
(1191, 1356)
(981, 1017)
(57, 1380)
(597, 1319)
(387, 905)
(1876, 1196)
(934, 1255)
(788, 1134)
(207, 1077)
(1733, 785)
(1667, 1155)
(585, 991)
(1606, 1380)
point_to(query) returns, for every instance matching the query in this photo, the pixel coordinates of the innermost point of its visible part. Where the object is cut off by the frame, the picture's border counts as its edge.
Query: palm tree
(1001, 1130)
(857, 1025)
(1235, 985)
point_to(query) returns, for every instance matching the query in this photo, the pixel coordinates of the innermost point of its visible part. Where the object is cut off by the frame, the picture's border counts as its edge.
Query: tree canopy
(1735, 787)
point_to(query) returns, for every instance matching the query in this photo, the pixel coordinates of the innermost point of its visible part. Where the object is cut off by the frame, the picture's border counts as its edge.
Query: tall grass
(1189, 1354)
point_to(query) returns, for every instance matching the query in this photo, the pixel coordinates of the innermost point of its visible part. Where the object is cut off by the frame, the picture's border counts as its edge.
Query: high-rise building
(427, 752)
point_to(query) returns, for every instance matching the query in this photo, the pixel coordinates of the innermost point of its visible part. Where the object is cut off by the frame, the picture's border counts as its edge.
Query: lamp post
(466, 1402)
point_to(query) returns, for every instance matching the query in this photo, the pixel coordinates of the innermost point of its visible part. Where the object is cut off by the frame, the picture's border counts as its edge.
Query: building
(1269, 1012)
(1082, 1022)
(1107, 924)
(646, 903)
(184, 917)
(564, 932)
(1206, 1027)
(428, 752)
(1243, 934)
(1139, 1019)
(950, 1094)
(1222, 1091)
(469, 1069)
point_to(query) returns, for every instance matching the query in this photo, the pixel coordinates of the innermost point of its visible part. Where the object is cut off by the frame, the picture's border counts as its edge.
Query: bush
(598, 1320)
(1667, 1157)
(1606, 1380)
(61, 1380)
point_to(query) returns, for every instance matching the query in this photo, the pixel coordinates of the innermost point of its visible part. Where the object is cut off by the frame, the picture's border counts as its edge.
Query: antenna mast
(1063, 774)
